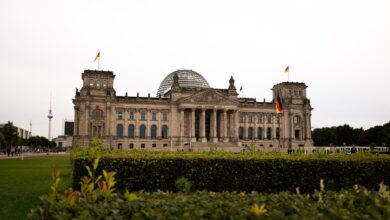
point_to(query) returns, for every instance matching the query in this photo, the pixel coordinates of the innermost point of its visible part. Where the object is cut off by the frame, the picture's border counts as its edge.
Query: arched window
(277, 133)
(241, 133)
(142, 131)
(153, 131)
(269, 133)
(91, 83)
(97, 83)
(131, 131)
(104, 83)
(164, 131)
(259, 133)
(119, 131)
(250, 133)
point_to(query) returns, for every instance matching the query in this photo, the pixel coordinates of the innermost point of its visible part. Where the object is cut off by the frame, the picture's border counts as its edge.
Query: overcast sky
(339, 48)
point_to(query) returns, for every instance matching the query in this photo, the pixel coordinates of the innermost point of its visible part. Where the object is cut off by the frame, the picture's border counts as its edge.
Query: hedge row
(228, 174)
(357, 203)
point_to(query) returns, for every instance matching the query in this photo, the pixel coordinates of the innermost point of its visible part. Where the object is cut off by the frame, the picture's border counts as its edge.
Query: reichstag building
(188, 113)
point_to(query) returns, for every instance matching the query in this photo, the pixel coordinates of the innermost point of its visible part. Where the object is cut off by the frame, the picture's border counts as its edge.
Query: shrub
(97, 200)
(159, 171)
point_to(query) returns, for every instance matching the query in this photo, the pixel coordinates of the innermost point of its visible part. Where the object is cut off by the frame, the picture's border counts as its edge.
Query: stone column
(245, 133)
(136, 126)
(224, 135)
(202, 125)
(181, 126)
(308, 125)
(292, 133)
(193, 138)
(255, 126)
(86, 120)
(158, 124)
(147, 130)
(265, 118)
(214, 135)
(113, 121)
(273, 126)
(76, 122)
(126, 125)
(236, 125)
(304, 127)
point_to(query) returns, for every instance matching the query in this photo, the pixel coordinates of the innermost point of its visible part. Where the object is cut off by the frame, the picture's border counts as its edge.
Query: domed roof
(187, 79)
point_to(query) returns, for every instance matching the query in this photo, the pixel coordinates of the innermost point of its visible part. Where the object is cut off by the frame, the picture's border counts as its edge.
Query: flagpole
(287, 70)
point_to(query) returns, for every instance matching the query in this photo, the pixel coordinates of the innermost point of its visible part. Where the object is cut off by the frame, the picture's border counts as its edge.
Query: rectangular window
(165, 116)
(131, 146)
(120, 115)
(154, 116)
(241, 119)
(260, 118)
(154, 145)
(277, 119)
(250, 119)
(131, 116)
(296, 119)
(269, 119)
(119, 146)
(143, 117)
(142, 145)
(297, 134)
(165, 145)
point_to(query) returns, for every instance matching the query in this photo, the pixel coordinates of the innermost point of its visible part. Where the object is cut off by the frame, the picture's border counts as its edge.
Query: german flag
(287, 69)
(97, 57)
(278, 105)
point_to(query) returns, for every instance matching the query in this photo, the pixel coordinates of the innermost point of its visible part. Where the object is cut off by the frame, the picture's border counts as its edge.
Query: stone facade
(189, 117)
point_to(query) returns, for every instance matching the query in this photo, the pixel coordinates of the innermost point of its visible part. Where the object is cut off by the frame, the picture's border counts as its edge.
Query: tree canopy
(346, 135)
(10, 135)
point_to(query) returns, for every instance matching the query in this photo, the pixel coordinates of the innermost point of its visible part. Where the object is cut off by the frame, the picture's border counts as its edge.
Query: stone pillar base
(225, 140)
(215, 139)
(203, 140)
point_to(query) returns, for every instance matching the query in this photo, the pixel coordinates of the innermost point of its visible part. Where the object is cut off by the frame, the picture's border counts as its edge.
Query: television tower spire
(30, 129)
(50, 116)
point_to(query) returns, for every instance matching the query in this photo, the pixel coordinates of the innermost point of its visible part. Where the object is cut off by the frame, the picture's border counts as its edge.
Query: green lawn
(22, 182)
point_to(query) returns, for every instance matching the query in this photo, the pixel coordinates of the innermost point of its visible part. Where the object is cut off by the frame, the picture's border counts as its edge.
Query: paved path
(30, 154)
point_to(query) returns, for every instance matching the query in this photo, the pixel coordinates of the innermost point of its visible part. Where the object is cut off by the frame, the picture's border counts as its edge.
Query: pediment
(209, 96)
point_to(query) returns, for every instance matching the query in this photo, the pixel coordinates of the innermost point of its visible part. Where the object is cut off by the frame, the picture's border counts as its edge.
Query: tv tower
(30, 129)
(50, 116)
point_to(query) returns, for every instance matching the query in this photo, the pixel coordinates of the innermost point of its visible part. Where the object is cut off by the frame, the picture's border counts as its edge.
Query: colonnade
(208, 125)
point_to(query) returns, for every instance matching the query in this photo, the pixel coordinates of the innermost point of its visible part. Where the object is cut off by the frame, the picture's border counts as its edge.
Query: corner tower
(98, 83)
(296, 112)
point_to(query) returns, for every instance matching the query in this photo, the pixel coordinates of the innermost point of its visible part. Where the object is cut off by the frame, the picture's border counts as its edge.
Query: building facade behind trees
(188, 112)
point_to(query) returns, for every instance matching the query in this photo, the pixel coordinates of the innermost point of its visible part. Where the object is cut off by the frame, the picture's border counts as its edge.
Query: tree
(11, 135)
(2, 141)
(324, 137)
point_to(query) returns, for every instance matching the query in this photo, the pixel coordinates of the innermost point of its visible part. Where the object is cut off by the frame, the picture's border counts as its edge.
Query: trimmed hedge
(229, 174)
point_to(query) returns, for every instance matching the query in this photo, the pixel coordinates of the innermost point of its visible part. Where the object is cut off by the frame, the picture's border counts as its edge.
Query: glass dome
(187, 79)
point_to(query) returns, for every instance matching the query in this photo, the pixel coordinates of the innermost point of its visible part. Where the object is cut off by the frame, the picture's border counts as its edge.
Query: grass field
(22, 182)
